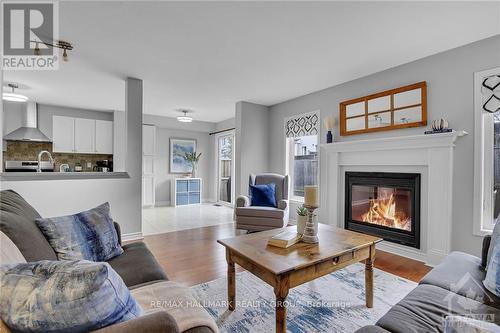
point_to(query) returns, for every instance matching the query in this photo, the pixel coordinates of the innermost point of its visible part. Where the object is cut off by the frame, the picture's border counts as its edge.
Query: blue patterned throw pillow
(88, 235)
(63, 296)
(263, 195)
(492, 280)
(495, 239)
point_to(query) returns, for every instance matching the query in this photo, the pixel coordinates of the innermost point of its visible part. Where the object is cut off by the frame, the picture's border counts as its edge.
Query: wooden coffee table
(288, 268)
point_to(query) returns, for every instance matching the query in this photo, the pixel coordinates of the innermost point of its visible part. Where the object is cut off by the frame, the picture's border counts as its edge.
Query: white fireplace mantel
(430, 155)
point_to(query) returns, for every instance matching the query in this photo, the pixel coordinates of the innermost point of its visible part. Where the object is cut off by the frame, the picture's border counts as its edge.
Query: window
(486, 150)
(303, 164)
(302, 156)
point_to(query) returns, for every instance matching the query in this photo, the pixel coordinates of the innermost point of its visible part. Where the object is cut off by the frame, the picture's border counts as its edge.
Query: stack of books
(285, 239)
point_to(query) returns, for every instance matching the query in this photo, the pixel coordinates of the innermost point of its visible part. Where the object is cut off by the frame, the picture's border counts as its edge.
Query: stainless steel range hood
(29, 130)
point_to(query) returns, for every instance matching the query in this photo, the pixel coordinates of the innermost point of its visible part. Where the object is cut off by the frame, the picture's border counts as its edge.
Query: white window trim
(289, 158)
(483, 163)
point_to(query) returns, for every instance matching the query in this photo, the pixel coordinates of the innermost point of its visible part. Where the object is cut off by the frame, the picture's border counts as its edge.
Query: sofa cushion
(17, 221)
(64, 296)
(495, 239)
(425, 307)
(462, 273)
(267, 212)
(462, 324)
(492, 280)
(137, 265)
(372, 329)
(89, 235)
(9, 253)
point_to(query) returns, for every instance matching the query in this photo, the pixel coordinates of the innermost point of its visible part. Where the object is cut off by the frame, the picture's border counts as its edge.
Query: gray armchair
(255, 218)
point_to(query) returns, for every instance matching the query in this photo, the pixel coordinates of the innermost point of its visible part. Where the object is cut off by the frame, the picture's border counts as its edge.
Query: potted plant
(301, 219)
(192, 158)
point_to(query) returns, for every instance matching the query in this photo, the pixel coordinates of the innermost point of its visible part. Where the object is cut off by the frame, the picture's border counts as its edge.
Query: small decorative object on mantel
(439, 126)
(311, 203)
(301, 219)
(329, 125)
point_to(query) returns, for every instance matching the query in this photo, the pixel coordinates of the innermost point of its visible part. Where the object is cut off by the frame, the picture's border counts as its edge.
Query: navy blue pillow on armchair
(263, 195)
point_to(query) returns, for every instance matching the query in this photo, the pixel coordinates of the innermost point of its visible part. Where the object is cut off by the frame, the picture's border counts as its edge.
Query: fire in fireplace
(384, 204)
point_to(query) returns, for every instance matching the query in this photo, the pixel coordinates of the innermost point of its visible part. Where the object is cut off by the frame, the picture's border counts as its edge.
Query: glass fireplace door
(384, 206)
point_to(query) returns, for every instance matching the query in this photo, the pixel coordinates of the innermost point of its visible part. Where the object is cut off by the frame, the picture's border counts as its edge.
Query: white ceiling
(207, 56)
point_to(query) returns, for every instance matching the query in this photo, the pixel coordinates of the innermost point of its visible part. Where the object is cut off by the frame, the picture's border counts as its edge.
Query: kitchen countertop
(23, 176)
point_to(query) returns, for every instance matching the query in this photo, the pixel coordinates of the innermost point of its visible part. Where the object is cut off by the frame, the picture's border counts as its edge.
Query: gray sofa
(454, 287)
(255, 218)
(137, 265)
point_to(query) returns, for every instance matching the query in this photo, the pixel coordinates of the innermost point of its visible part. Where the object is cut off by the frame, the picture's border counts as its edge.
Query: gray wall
(449, 77)
(252, 143)
(225, 124)
(163, 178)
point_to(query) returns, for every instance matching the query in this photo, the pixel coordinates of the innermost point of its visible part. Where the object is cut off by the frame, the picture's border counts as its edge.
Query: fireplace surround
(429, 155)
(385, 205)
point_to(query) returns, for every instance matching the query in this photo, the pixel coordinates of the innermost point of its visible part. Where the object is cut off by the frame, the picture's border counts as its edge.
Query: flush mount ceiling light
(12, 96)
(185, 118)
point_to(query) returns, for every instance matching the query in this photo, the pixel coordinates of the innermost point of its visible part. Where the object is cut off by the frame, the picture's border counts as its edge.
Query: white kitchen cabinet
(148, 191)
(103, 137)
(84, 136)
(148, 139)
(63, 134)
(80, 135)
(148, 157)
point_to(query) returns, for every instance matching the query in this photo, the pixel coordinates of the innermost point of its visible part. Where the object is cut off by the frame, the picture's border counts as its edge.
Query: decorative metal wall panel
(302, 125)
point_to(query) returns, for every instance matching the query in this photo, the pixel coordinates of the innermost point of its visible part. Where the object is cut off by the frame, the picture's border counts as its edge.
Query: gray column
(134, 109)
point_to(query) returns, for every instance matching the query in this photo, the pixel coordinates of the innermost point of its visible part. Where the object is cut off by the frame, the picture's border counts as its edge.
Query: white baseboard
(162, 203)
(132, 236)
(403, 251)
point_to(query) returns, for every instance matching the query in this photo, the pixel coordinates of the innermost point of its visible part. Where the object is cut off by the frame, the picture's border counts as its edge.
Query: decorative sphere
(439, 124)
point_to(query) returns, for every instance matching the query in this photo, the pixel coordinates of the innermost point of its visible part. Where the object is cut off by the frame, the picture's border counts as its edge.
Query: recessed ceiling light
(12, 96)
(185, 118)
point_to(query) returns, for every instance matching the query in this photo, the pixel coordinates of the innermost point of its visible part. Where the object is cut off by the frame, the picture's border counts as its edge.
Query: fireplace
(385, 205)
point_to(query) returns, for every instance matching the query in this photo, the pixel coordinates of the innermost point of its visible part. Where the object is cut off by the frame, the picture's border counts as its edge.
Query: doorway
(225, 168)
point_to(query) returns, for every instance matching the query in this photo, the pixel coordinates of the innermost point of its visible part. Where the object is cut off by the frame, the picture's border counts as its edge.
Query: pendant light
(12, 96)
(185, 118)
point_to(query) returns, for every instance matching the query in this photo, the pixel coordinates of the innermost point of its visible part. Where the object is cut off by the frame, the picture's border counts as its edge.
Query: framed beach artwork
(178, 147)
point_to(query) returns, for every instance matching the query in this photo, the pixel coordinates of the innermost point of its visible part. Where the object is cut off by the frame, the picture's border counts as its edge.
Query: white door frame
(217, 168)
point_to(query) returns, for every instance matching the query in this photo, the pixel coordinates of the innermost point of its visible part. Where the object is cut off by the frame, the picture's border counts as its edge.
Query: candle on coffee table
(311, 195)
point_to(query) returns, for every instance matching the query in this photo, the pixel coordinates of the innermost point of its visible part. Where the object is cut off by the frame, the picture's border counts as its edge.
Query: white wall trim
(162, 203)
(132, 236)
(479, 165)
(429, 155)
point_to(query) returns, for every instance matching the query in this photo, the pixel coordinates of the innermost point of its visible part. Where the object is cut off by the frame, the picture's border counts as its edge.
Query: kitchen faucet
(51, 160)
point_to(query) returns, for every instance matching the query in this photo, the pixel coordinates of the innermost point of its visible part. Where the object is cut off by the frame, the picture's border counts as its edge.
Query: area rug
(332, 303)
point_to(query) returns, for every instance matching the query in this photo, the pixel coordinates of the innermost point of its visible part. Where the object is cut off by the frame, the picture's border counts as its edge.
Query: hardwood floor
(193, 256)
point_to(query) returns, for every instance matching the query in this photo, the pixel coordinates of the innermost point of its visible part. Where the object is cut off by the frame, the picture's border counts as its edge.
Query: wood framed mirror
(402, 107)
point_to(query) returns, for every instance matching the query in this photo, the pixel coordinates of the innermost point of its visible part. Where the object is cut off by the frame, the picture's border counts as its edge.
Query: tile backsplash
(28, 151)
